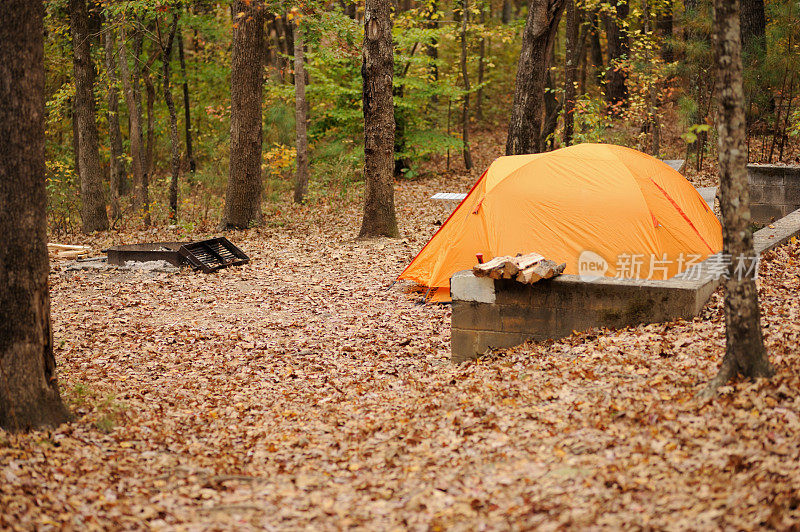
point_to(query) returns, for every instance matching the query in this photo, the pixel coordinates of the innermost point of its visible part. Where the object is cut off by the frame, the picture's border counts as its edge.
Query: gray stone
(466, 287)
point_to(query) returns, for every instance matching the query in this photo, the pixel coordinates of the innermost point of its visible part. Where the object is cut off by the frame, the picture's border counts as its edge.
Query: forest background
(642, 77)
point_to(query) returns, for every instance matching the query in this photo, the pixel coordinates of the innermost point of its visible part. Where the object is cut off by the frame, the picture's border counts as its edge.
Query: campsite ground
(301, 392)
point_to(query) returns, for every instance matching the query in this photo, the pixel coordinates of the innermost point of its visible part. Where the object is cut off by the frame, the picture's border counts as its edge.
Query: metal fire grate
(211, 255)
(168, 251)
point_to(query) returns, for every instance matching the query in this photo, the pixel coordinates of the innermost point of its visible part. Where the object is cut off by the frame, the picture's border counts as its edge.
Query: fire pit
(206, 255)
(166, 251)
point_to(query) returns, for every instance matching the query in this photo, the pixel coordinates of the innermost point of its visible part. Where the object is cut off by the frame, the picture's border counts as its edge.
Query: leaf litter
(302, 392)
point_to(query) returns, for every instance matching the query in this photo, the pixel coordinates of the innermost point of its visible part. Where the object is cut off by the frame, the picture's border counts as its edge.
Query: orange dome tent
(640, 216)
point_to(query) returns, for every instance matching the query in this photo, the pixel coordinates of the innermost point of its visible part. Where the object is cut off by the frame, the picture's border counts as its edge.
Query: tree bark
(377, 71)
(505, 16)
(481, 64)
(753, 28)
(525, 124)
(596, 49)
(29, 396)
(141, 201)
(301, 104)
(467, 89)
(117, 163)
(93, 205)
(187, 114)
(174, 139)
(665, 26)
(570, 71)
(150, 90)
(618, 48)
(744, 350)
(432, 49)
(245, 185)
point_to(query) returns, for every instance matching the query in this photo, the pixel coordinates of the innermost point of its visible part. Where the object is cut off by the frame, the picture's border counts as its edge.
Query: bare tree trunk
(187, 114)
(570, 71)
(150, 89)
(465, 75)
(618, 48)
(596, 49)
(481, 65)
(432, 49)
(117, 163)
(288, 34)
(665, 23)
(744, 350)
(93, 205)
(525, 124)
(245, 185)
(138, 46)
(552, 108)
(140, 202)
(29, 397)
(174, 139)
(505, 16)
(377, 72)
(754, 28)
(301, 104)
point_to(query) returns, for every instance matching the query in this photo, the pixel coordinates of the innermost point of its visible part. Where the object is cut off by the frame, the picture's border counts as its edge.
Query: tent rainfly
(601, 209)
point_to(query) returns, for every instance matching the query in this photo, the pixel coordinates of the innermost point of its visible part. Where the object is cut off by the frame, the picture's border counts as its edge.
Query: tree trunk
(140, 199)
(525, 124)
(465, 75)
(552, 108)
(596, 49)
(505, 16)
(432, 49)
(754, 29)
(245, 185)
(138, 46)
(29, 397)
(377, 71)
(570, 71)
(187, 114)
(481, 65)
(618, 48)
(664, 23)
(744, 350)
(117, 163)
(150, 89)
(301, 104)
(174, 139)
(93, 205)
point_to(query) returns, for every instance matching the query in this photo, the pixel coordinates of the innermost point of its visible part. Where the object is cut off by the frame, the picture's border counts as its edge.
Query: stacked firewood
(526, 269)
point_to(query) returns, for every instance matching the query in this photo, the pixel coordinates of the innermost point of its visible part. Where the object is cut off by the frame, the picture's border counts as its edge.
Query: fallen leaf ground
(303, 392)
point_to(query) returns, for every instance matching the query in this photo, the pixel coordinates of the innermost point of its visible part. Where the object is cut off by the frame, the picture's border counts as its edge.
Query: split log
(66, 247)
(545, 269)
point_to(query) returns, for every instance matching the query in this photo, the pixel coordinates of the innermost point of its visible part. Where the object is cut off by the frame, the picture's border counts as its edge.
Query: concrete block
(773, 195)
(791, 195)
(476, 316)
(756, 193)
(464, 286)
(469, 344)
(762, 213)
(534, 321)
(765, 174)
